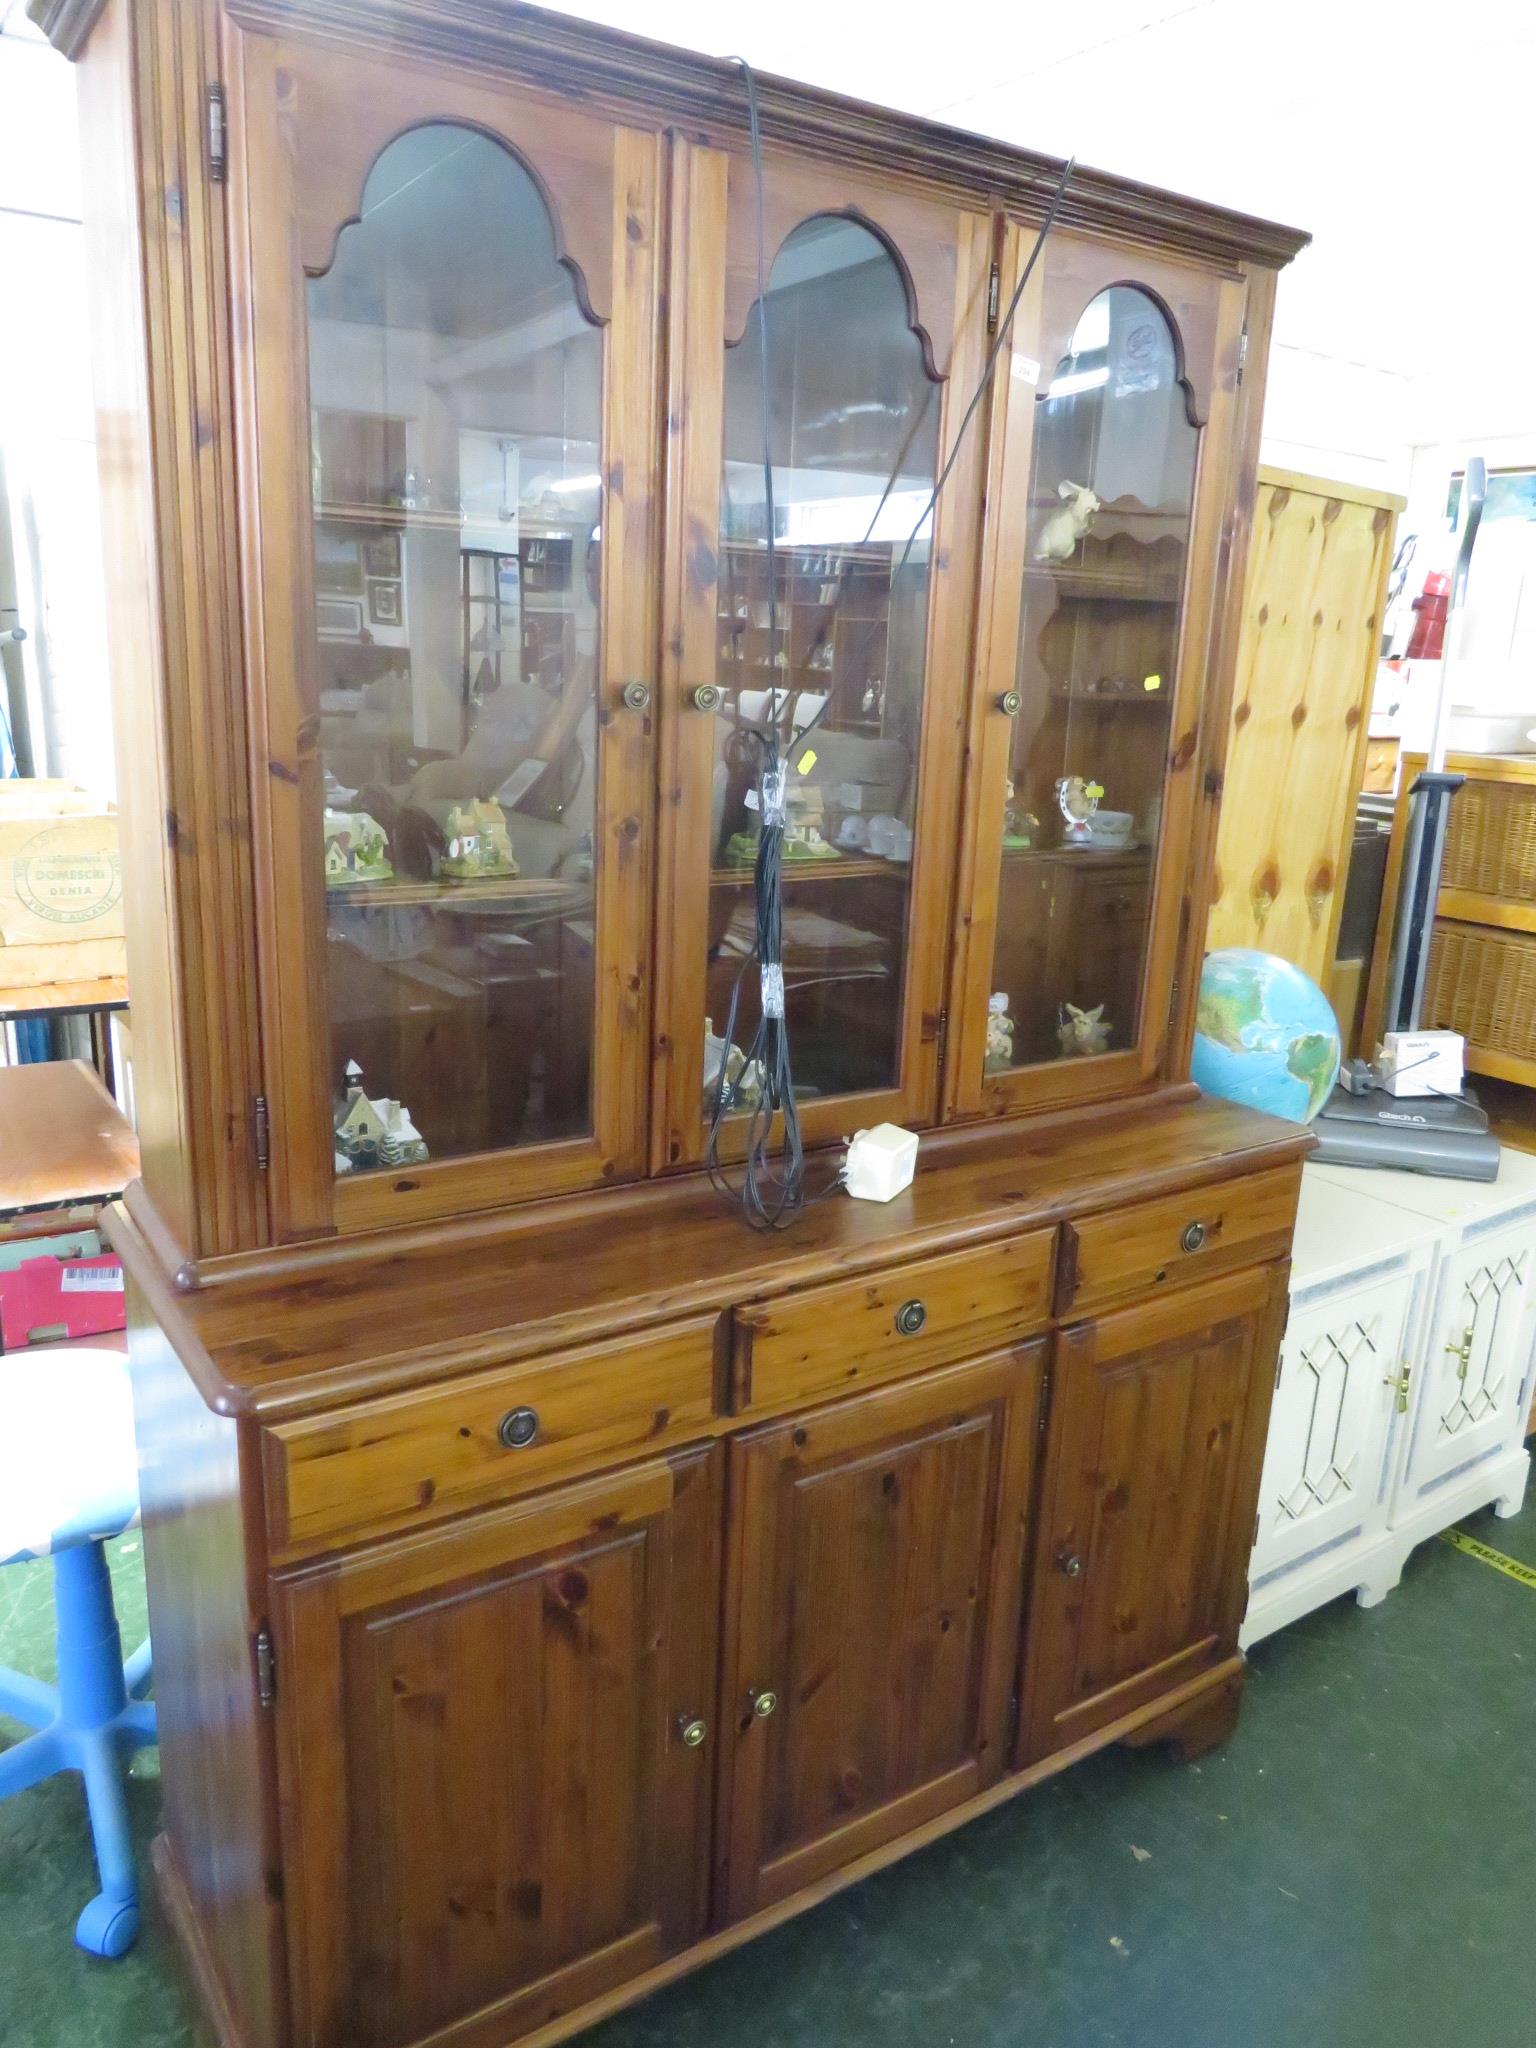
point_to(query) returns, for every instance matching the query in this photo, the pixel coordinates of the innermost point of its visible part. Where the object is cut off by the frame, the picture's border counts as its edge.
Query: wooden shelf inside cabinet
(1113, 699)
(1083, 856)
(1122, 587)
(524, 890)
(851, 870)
(443, 520)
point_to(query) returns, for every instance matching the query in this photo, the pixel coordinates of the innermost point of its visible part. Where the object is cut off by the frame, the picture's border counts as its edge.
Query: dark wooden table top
(62, 1137)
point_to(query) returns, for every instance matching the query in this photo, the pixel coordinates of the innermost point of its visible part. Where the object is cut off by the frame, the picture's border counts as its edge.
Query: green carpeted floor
(1356, 1870)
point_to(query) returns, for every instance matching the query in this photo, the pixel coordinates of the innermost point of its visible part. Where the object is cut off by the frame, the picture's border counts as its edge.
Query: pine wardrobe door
(874, 1585)
(450, 363)
(1155, 1442)
(845, 644)
(494, 1757)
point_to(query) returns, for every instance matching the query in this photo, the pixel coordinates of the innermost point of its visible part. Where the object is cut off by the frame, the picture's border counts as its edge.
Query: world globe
(1264, 1035)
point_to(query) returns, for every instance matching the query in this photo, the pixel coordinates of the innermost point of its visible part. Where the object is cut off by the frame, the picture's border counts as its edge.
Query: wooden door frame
(706, 242)
(559, 145)
(1210, 366)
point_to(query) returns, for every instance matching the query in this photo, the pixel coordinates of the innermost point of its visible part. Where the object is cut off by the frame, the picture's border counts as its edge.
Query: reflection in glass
(455, 392)
(1111, 482)
(839, 639)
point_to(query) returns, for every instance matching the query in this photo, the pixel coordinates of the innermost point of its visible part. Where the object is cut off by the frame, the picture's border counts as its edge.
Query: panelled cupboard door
(1156, 1438)
(451, 382)
(867, 343)
(1110, 476)
(875, 1578)
(1478, 1362)
(494, 1758)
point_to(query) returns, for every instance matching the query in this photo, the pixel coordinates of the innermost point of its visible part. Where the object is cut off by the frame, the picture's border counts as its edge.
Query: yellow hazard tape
(1511, 1567)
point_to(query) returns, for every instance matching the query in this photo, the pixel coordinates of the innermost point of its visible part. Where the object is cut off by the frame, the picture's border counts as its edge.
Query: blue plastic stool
(68, 1481)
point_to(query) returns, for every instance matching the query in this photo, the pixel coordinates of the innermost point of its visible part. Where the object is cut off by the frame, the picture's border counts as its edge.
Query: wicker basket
(1482, 983)
(1490, 843)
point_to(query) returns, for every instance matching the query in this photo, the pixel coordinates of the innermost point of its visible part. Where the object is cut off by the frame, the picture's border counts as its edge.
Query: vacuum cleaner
(1397, 1111)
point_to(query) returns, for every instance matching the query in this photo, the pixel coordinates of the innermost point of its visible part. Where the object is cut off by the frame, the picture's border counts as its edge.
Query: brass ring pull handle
(707, 697)
(1068, 1561)
(762, 1702)
(910, 1318)
(692, 1731)
(518, 1428)
(637, 695)
(1192, 1236)
(1010, 703)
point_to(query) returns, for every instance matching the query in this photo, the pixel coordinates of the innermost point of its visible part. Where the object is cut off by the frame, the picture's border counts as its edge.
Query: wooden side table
(65, 1139)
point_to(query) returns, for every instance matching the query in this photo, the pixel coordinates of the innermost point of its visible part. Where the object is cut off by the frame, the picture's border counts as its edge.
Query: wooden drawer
(409, 1457)
(1189, 1236)
(859, 1332)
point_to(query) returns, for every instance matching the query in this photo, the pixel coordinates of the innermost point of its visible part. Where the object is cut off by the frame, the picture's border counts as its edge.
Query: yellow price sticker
(807, 761)
(1150, 683)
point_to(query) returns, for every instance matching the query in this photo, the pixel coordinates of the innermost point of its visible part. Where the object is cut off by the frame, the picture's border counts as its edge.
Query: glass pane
(841, 633)
(1111, 481)
(456, 395)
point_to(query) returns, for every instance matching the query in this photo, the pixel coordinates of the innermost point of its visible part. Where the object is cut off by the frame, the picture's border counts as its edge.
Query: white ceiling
(1397, 131)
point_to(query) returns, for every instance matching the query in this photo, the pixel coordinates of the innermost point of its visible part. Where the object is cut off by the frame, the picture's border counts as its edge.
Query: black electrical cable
(772, 1192)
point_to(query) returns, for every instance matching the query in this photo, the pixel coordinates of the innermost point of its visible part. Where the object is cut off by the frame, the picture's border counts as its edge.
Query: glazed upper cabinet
(454, 376)
(849, 639)
(495, 1758)
(525, 617)
(1108, 486)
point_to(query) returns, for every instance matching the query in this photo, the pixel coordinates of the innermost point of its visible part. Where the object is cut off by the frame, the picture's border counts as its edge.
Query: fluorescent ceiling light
(1078, 380)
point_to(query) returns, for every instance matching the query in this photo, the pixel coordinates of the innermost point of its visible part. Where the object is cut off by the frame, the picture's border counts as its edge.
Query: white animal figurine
(1083, 1032)
(1064, 529)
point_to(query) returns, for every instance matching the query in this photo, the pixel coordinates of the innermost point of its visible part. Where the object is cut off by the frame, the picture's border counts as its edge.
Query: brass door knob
(707, 697)
(518, 1428)
(1010, 703)
(637, 695)
(910, 1318)
(762, 1702)
(1068, 1561)
(1193, 1236)
(692, 1731)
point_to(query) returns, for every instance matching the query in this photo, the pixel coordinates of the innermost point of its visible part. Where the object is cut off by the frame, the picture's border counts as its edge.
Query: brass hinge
(1242, 354)
(261, 1123)
(266, 1667)
(1256, 1521)
(994, 298)
(941, 1042)
(1279, 1367)
(218, 134)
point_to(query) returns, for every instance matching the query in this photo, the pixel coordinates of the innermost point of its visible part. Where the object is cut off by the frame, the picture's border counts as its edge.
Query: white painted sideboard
(1404, 1380)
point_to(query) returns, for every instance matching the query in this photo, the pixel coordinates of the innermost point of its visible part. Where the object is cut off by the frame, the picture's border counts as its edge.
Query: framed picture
(383, 604)
(381, 555)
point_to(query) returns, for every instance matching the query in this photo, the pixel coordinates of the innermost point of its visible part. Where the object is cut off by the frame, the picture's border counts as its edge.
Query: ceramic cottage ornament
(374, 1133)
(998, 1057)
(1019, 825)
(1082, 1033)
(476, 842)
(356, 849)
(1064, 529)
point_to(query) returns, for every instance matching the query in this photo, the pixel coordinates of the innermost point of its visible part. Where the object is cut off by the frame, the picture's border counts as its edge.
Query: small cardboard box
(44, 1299)
(61, 886)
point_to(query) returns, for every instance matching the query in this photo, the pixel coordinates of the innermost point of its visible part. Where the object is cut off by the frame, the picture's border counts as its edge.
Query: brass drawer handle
(1010, 703)
(1068, 1561)
(518, 1428)
(692, 1731)
(637, 695)
(706, 697)
(1192, 1236)
(910, 1318)
(762, 1702)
